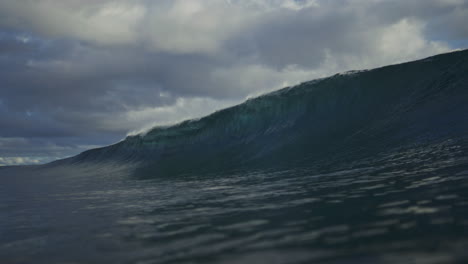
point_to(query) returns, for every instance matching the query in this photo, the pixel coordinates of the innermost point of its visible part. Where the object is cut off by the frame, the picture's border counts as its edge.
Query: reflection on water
(401, 207)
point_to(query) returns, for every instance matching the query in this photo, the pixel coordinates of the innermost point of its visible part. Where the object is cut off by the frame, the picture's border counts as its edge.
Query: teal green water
(368, 167)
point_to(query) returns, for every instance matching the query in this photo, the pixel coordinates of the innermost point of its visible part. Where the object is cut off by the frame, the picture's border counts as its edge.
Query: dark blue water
(370, 167)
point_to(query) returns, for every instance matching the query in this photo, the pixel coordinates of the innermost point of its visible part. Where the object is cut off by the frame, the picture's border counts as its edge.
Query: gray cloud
(89, 72)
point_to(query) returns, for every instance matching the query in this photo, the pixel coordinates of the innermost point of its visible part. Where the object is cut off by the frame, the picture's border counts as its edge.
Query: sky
(79, 74)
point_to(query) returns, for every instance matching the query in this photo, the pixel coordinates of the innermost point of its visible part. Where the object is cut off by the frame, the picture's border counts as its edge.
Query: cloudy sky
(77, 74)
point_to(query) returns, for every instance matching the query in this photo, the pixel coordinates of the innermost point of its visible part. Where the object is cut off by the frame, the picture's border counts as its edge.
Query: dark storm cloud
(88, 72)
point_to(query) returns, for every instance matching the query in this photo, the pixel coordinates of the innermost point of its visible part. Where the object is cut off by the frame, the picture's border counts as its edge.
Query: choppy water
(408, 206)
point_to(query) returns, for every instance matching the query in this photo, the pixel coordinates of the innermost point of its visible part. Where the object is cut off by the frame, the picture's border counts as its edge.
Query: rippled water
(407, 206)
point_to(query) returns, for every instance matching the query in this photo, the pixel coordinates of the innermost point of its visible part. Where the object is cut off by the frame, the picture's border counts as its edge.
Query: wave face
(356, 114)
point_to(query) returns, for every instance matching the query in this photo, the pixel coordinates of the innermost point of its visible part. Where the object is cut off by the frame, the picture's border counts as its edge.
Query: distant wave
(346, 115)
